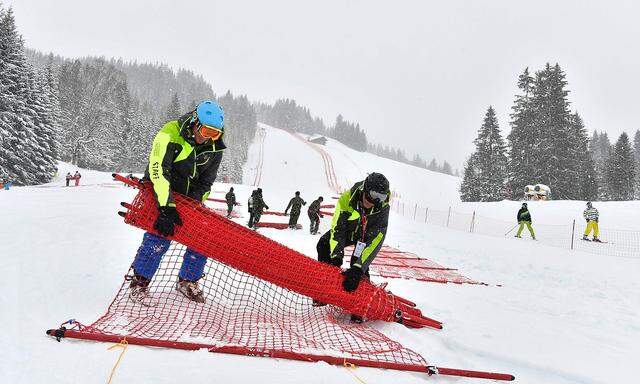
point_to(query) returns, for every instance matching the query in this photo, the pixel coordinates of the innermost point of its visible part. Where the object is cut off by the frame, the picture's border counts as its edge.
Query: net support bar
(278, 354)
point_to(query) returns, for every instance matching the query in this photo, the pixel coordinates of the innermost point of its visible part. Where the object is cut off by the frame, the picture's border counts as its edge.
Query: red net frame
(245, 314)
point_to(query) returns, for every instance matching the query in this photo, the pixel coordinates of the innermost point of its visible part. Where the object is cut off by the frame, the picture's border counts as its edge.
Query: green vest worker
(185, 157)
(361, 218)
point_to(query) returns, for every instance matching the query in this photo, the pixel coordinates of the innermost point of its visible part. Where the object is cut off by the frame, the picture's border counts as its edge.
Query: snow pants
(229, 209)
(293, 219)
(315, 223)
(254, 218)
(529, 227)
(154, 247)
(592, 225)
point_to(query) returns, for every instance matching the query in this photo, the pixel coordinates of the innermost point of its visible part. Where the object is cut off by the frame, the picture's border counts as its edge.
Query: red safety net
(244, 249)
(394, 263)
(262, 224)
(258, 301)
(273, 213)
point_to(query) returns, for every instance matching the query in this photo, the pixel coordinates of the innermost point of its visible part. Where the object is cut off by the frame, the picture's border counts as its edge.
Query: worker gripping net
(243, 311)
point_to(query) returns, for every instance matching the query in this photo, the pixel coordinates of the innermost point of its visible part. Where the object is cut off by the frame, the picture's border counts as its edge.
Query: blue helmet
(209, 113)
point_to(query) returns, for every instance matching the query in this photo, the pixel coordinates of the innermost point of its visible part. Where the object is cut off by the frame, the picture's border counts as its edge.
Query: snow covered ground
(558, 316)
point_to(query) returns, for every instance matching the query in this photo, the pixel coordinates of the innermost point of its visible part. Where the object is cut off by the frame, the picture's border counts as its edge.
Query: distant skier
(230, 197)
(68, 178)
(258, 205)
(360, 219)
(314, 215)
(524, 218)
(76, 177)
(184, 158)
(295, 204)
(591, 215)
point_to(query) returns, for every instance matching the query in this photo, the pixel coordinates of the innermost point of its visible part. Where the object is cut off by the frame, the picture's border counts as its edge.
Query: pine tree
(621, 170)
(636, 152)
(588, 183)
(488, 165)
(469, 190)
(173, 110)
(600, 148)
(557, 160)
(25, 132)
(524, 137)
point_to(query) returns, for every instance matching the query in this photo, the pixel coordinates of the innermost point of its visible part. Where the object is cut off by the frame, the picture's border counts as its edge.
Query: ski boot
(190, 290)
(596, 240)
(585, 238)
(139, 287)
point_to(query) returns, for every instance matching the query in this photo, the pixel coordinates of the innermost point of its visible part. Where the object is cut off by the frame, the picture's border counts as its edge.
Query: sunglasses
(209, 132)
(376, 197)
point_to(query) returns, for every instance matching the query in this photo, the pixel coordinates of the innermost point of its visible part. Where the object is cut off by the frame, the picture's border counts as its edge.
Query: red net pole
(276, 353)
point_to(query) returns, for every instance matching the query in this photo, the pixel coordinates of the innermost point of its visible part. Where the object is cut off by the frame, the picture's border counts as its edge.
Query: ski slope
(557, 316)
(289, 163)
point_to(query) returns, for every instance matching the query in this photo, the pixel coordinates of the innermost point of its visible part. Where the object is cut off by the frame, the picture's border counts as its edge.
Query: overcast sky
(415, 74)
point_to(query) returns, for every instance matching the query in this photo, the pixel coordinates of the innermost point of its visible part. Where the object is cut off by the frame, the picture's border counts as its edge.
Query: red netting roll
(244, 249)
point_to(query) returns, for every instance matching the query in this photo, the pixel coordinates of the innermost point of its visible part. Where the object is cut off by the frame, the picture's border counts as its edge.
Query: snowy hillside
(557, 316)
(295, 164)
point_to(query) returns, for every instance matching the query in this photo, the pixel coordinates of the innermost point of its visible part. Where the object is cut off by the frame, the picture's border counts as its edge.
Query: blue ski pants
(154, 247)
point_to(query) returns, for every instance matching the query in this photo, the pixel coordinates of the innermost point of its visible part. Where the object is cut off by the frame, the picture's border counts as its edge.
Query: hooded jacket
(178, 164)
(352, 223)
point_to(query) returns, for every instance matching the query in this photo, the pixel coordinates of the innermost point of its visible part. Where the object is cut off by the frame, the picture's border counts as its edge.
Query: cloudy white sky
(414, 74)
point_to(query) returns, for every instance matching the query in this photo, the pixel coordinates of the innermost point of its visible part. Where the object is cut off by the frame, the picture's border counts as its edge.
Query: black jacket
(352, 222)
(295, 204)
(230, 197)
(523, 215)
(314, 208)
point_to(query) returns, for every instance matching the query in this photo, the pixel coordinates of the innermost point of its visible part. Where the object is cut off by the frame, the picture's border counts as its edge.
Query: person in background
(295, 204)
(230, 197)
(591, 215)
(524, 219)
(258, 206)
(314, 215)
(185, 157)
(250, 207)
(76, 177)
(68, 177)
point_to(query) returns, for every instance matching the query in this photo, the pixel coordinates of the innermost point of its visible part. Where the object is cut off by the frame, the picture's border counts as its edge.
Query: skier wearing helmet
(360, 219)
(591, 216)
(184, 158)
(524, 218)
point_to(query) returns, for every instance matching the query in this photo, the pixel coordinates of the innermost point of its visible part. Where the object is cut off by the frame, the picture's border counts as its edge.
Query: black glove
(336, 257)
(166, 220)
(352, 278)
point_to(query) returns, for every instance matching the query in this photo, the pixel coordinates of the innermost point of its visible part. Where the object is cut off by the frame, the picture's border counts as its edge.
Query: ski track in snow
(559, 316)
